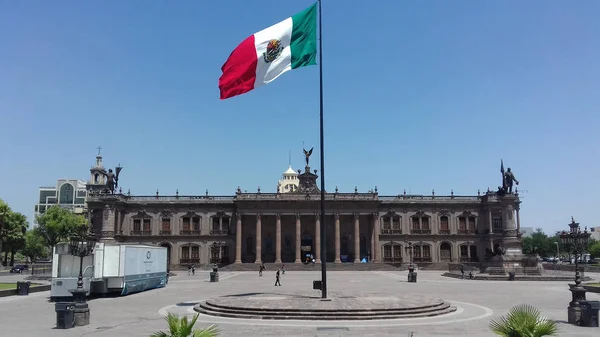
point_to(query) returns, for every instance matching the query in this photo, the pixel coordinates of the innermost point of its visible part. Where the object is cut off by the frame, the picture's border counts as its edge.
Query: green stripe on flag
(304, 38)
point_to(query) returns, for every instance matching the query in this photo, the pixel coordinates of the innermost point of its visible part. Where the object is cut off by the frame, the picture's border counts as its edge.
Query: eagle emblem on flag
(274, 49)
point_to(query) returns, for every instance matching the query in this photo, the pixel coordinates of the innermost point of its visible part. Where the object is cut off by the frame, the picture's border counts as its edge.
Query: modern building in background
(595, 231)
(527, 231)
(68, 193)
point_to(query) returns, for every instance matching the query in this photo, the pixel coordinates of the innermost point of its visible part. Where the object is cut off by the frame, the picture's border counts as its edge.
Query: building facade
(285, 227)
(67, 193)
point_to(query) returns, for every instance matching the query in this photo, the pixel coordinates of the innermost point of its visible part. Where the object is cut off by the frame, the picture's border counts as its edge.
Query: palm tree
(524, 321)
(180, 327)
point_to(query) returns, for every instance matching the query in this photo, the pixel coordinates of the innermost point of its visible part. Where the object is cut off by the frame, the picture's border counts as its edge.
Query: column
(356, 238)
(277, 238)
(372, 256)
(518, 220)
(258, 239)
(337, 238)
(298, 242)
(377, 252)
(491, 222)
(317, 238)
(238, 238)
(107, 232)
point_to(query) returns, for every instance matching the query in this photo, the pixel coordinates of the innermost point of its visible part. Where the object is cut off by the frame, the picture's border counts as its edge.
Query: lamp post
(575, 241)
(412, 276)
(557, 251)
(81, 246)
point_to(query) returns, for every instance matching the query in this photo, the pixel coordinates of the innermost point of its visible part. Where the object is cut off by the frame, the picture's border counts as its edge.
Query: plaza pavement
(142, 314)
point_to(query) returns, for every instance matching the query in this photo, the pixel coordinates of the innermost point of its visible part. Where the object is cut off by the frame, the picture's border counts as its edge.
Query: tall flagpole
(322, 220)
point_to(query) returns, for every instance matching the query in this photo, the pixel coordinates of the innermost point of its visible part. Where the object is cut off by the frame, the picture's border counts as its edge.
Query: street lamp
(82, 246)
(412, 276)
(575, 241)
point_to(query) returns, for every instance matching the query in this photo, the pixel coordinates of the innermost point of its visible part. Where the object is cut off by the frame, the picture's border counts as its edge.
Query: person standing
(277, 276)
(260, 270)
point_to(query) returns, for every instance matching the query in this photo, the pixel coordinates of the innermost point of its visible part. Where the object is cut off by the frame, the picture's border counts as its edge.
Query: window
(415, 223)
(444, 225)
(396, 223)
(196, 223)
(416, 252)
(386, 223)
(185, 226)
(137, 225)
(424, 223)
(387, 252)
(195, 252)
(464, 251)
(426, 251)
(185, 252)
(497, 223)
(66, 194)
(225, 223)
(420, 223)
(216, 224)
(462, 224)
(397, 251)
(472, 224)
(166, 225)
(147, 227)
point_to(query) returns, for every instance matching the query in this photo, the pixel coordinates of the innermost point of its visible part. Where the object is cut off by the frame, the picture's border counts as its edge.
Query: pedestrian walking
(193, 269)
(260, 270)
(277, 283)
(283, 269)
(462, 272)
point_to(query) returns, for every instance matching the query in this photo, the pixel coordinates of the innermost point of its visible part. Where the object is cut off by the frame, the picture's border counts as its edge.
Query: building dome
(290, 172)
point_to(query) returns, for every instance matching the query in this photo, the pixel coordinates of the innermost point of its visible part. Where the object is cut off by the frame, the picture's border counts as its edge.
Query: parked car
(18, 268)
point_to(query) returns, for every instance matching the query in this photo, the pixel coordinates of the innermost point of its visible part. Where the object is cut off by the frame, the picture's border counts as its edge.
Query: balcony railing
(141, 232)
(189, 232)
(390, 259)
(420, 231)
(444, 231)
(219, 231)
(166, 232)
(421, 259)
(189, 261)
(391, 231)
(467, 231)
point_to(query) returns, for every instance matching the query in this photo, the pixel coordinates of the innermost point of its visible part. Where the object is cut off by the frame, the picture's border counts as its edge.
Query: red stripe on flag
(239, 71)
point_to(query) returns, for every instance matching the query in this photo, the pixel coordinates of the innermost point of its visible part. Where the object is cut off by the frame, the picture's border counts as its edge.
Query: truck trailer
(112, 268)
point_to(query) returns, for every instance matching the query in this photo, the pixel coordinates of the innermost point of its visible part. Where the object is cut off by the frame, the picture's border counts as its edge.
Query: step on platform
(278, 306)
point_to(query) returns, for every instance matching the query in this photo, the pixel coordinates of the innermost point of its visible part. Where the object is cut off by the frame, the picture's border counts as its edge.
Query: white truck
(112, 268)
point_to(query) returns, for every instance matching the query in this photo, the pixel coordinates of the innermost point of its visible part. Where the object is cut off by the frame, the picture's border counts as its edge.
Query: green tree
(594, 250)
(540, 242)
(13, 235)
(35, 246)
(181, 327)
(58, 225)
(5, 212)
(524, 321)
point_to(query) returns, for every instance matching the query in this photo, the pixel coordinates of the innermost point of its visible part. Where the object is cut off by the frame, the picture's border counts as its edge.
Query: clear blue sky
(419, 95)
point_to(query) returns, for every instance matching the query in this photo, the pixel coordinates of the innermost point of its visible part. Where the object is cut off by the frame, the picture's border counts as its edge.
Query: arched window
(66, 194)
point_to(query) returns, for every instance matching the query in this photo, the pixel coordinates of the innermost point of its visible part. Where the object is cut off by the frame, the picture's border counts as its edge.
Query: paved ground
(141, 314)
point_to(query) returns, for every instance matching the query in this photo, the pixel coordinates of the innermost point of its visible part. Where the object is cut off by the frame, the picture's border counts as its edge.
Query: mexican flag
(264, 56)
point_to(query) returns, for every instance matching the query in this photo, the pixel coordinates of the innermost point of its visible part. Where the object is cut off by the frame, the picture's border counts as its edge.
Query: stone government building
(284, 227)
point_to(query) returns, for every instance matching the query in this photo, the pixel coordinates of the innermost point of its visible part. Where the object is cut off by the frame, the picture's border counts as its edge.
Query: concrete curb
(480, 277)
(36, 289)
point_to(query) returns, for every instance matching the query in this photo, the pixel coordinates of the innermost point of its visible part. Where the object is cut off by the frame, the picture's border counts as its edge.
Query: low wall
(32, 289)
(571, 267)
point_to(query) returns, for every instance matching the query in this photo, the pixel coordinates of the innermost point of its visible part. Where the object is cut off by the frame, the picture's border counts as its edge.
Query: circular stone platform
(309, 307)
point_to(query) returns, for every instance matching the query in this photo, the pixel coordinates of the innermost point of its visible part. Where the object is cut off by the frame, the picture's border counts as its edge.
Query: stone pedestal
(82, 311)
(574, 315)
(214, 276)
